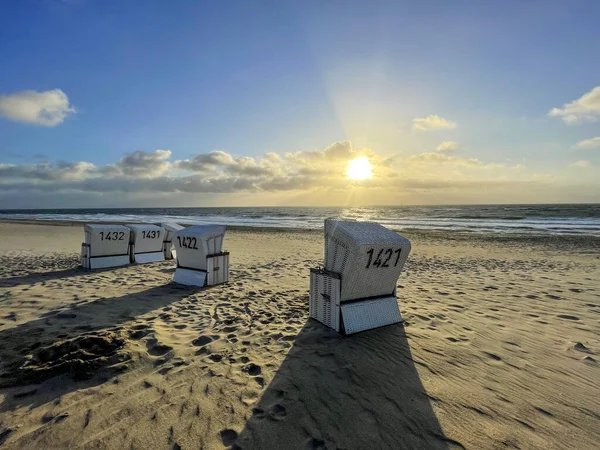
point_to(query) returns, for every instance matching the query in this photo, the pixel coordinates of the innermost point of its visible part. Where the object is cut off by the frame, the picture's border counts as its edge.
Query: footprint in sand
(154, 348)
(139, 331)
(228, 437)
(258, 413)
(277, 412)
(316, 444)
(204, 351)
(582, 348)
(202, 341)
(216, 357)
(11, 316)
(252, 369)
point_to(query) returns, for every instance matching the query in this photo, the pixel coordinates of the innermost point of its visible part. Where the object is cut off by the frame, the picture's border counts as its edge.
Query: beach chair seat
(201, 260)
(146, 243)
(105, 246)
(356, 289)
(168, 247)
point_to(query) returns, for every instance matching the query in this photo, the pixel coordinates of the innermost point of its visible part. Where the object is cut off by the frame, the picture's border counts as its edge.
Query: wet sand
(500, 349)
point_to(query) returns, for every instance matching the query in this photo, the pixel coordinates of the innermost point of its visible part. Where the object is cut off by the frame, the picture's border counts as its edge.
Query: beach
(500, 348)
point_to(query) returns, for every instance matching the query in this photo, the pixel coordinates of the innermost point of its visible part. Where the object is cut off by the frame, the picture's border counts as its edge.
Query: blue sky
(249, 78)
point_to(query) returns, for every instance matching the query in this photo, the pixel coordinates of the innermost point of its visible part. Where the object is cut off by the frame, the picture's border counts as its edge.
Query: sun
(359, 169)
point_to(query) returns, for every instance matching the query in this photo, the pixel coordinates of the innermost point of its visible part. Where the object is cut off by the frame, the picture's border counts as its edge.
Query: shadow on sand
(40, 277)
(345, 392)
(82, 338)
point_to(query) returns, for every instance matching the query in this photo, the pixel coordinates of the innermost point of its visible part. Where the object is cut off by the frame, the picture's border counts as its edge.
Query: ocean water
(522, 219)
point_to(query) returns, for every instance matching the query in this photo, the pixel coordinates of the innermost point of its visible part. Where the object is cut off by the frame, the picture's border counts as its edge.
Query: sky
(202, 103)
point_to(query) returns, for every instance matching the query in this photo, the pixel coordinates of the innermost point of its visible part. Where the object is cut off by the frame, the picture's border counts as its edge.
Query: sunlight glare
(359, 169)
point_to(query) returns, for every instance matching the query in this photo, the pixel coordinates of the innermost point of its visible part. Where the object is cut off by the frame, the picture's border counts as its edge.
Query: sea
(576, 219)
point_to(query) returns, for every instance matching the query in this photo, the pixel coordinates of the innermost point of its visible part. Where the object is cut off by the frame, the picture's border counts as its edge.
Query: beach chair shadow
(345, 392)
(89, 327)
(39, 277)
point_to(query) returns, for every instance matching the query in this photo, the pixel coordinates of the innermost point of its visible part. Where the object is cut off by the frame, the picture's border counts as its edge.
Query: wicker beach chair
(146, 243)
(201, 260)
(168, 247)
(105, 246)
(356, 289)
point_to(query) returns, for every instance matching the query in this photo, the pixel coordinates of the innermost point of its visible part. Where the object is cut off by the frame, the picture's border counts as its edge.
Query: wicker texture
(170, 228)
(98, 242)
(368, 256)
(146, 238)
(189, 277)
(217, 269)
(324, 303)
(194, 244)
(368, 314)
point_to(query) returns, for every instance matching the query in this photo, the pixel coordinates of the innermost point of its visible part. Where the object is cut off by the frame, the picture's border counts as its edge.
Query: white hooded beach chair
(168, 247)
(356, 290)
(146, 243)
(201, 260)
(105, 246)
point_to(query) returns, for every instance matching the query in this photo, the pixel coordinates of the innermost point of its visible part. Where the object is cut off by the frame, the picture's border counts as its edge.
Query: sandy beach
(500, 349)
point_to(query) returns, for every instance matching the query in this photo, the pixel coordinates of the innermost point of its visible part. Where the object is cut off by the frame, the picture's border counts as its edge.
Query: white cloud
(60, 171)
(140, 164)
(303, 173)
(589, 143)
(440, 158)
(582, 164)
(447, 146)
(432, 122)
(584, 109)
(48, 108)
(205, 162)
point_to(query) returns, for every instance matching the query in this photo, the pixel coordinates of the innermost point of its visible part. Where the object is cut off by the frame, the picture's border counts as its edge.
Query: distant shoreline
(588, 244)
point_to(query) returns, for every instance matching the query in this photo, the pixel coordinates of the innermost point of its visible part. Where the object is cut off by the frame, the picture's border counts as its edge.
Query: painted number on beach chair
(112, 235)
(152, 234)
(188, 242)
(383, 257)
